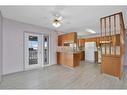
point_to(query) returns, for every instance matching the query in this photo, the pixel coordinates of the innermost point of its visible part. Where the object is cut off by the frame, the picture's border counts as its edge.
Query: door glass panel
(33, 50)
(46, 50)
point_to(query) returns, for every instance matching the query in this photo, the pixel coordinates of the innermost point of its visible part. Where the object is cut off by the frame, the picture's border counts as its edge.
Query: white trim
(49, 50)
(43, 34)
(42, 48)
(49, 65)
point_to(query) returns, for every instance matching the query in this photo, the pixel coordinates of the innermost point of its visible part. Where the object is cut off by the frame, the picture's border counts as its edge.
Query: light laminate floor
(86, 76)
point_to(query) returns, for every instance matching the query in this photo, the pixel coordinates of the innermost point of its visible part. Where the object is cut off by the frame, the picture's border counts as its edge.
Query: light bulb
(56, 24)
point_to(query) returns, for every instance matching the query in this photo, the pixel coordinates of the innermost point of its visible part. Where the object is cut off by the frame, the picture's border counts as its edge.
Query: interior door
(33, 50)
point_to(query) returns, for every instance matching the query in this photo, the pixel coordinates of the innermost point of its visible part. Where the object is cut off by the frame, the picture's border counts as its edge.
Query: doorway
(33, 50)
(36, 50)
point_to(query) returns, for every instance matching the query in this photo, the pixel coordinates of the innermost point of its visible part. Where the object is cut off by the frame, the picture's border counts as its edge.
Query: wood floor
(87, 76)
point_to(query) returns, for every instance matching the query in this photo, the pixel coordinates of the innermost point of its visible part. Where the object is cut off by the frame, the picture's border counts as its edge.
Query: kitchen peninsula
(68, 53)
(68, 58)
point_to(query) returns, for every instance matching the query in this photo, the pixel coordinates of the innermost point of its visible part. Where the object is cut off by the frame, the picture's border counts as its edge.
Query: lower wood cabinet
(68, 59)
(82, 55)
(96, 56)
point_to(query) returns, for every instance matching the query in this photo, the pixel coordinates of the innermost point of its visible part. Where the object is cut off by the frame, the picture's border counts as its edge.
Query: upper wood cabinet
(69, 37)
(81, 42)
(59, 40)
(98, 39)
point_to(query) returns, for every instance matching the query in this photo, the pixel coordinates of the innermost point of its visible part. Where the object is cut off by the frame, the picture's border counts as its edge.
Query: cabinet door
(116, 66)
(58, 58)
(81, 43)
(107, 65)
(59, 41)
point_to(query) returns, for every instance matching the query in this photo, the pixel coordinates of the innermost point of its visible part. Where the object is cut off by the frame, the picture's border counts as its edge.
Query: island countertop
(72, 52)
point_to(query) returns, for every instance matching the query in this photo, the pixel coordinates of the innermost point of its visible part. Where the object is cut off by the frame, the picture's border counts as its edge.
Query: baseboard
(48, 65)
(27, 69)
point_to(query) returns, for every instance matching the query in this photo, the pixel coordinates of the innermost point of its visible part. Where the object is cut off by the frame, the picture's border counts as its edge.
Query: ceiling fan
(57, 17)
(57, 21)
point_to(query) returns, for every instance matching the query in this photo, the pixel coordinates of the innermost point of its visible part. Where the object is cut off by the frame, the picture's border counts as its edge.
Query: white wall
(125, 53)
(13, 44)
(0, 45)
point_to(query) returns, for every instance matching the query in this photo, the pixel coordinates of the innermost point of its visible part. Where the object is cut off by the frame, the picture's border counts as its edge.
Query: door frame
(39, 64)
(42, 51)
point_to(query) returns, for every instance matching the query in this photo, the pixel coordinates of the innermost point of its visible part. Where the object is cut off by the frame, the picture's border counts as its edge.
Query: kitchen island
(71, 59)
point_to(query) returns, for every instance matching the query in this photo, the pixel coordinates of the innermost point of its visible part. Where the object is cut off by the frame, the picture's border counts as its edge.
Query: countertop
(69, 52)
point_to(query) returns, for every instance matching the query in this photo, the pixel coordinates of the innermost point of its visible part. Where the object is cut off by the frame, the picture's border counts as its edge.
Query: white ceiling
(76, 18)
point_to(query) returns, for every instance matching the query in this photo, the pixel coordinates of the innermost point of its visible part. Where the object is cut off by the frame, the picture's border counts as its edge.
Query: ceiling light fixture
(57, 21)
(91, 31)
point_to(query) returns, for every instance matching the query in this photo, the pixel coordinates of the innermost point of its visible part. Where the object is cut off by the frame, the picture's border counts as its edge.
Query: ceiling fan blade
(60, 18)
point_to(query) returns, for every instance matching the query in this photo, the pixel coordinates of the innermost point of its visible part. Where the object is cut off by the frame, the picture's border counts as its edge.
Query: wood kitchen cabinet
(70, 59)
(96, 56)
(82, 55)
(81, 42)
(111, 65)
(72, 36)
